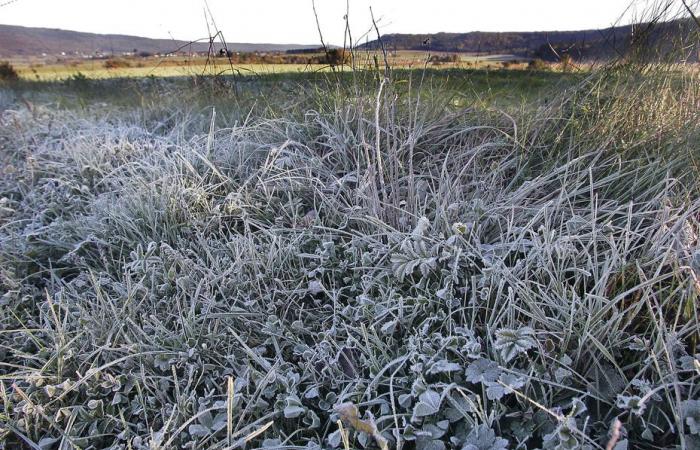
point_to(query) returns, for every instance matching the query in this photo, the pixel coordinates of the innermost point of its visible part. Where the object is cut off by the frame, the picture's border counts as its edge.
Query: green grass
(442, 259)
(274, 92)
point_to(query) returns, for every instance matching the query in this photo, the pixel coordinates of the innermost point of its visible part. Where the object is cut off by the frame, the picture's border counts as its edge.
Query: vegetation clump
(113, 63)
(442, 59)
(358, 265)
(8, 72)
(538, 65)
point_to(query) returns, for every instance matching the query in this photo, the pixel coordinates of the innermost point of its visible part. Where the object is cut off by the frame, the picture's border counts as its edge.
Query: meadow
(49, 69)
(409, 259)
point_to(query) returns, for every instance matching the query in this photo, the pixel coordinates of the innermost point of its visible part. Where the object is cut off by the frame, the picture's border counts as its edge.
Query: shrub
(8, 72)
(567, 63)
(439, 59)
(538, 65)
(336, 57)
(78, 80)
(117, 64)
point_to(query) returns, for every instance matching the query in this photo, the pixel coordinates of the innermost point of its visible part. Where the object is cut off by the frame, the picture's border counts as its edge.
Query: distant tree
(7, 72)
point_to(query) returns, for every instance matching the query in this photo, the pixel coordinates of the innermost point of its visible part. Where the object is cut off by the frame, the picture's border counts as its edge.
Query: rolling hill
(24, 41)
(17, 41)
(583, 44)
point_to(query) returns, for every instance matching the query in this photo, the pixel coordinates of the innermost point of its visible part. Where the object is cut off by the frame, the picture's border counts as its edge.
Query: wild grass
(362, 264)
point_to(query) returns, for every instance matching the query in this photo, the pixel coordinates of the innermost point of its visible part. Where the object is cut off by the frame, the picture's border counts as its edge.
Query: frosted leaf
(484, 438)
(507, 383)
(482, 371)
(421, 227)
(428, 404)
(334, 439)
(631, 402)
(429, 444)
(443, 366)
(510, 343)
(315, 287)
(691, 414)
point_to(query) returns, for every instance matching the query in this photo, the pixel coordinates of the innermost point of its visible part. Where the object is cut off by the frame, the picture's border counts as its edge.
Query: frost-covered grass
(434, 274)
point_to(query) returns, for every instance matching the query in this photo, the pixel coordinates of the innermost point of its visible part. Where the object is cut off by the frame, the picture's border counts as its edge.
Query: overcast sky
(292, 21)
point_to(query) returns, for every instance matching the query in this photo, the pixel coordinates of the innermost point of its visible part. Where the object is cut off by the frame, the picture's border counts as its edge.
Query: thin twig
(692, 14)
(320, 33)
(381, 44)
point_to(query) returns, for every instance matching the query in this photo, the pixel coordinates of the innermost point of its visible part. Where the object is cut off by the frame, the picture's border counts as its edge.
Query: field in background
(53, 69)
(511, 89)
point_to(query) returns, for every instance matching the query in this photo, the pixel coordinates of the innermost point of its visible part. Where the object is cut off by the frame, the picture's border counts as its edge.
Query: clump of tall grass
(381, 270)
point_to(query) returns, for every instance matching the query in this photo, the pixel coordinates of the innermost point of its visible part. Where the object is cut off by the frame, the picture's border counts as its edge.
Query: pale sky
(292, 21)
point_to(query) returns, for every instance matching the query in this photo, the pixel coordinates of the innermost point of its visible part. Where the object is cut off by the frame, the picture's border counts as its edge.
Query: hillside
(582, 44)
(24, 41)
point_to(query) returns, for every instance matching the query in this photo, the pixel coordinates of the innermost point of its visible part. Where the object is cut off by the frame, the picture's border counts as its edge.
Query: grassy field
(53, 69)
(58, 72)
(467, 259)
